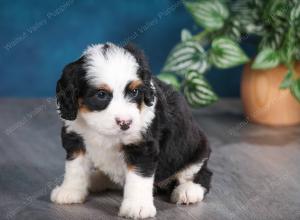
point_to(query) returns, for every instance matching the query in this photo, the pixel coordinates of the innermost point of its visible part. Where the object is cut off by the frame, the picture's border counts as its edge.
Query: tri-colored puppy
(123, 127)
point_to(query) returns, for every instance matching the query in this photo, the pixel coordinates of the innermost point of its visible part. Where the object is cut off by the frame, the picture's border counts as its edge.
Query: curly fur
(161, 145)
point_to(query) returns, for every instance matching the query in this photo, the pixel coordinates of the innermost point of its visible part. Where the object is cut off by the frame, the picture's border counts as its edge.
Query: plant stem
(200, 37)
(291, 67)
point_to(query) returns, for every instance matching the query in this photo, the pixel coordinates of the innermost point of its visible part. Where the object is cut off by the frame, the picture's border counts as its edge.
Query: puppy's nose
(123, 123)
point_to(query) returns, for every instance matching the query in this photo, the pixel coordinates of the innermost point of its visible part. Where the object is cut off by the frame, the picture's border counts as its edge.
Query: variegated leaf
(170, 79)
(186, 35)
(232, 30)
(295, 13)
(295, 89)
(246, 12)
(287, 81)
(197, 90)
(226, 53)
(210, 14)
(188, 55)
(266, 59)
(272, 40)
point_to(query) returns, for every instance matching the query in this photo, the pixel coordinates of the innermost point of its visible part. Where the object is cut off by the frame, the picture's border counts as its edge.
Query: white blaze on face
(115, 68)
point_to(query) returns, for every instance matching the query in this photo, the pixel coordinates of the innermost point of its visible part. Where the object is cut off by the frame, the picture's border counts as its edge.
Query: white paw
(64, 195)
(137, 209)
(187, 193)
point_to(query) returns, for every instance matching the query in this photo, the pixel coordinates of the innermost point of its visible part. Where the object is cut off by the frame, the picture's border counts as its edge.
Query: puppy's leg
(138, 190)
(194, 183)
(203, 177)
(138, 197)
(100, 182)
(74, 188)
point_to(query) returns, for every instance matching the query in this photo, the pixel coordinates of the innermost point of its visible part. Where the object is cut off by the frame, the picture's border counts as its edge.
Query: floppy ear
(67, 90)
(143, 72)
(149, 92)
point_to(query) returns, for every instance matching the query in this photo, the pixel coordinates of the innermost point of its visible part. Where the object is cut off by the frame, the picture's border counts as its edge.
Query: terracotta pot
(264, 102)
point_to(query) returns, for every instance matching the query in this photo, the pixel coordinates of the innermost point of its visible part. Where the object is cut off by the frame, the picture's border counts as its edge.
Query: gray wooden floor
(256, 169)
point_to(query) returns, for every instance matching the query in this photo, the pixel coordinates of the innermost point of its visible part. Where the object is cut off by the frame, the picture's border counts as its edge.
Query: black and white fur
(125, 128)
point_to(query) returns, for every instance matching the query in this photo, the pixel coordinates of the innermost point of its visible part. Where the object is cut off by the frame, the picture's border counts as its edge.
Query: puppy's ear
(149, 92)
(143, 72)
(67, 90)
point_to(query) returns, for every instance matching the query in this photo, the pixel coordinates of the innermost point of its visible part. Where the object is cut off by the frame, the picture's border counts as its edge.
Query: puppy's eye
(102, 94)
(134, 93)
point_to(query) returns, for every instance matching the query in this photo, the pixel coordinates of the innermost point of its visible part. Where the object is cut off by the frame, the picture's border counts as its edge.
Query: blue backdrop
(39, 37)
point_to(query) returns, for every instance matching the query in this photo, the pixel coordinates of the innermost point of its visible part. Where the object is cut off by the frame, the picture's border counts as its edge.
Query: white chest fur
(108, 158)
(103, 152)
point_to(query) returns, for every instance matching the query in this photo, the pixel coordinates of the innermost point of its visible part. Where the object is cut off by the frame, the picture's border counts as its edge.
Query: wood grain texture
(264, 102)
(256, 169)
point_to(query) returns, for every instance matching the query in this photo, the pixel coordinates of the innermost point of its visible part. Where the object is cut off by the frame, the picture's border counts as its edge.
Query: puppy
(125, 128)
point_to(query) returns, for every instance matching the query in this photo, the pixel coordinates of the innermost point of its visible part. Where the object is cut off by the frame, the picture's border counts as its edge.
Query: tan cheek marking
(130, 167)
(83, 108)
(76, 153)
(141, 106)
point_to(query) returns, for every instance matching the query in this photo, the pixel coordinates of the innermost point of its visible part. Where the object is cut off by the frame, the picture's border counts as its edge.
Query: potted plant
(270, 87)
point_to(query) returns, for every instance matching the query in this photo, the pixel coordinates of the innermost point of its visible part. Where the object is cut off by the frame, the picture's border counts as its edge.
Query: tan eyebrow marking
(135, 84)
(85, 109)
(105, 87)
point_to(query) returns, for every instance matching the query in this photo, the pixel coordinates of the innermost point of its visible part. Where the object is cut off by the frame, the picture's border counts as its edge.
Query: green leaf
(246, 12)
(170, 79)
(186, 35)
(277, 12)
(188, 55)
(232, 32)
(266, 59)
(295, 89)
(226, 53)
(289, 46)
(287, 81)
(295, 13)
(210, 14)
(197, 90)
(273, 39)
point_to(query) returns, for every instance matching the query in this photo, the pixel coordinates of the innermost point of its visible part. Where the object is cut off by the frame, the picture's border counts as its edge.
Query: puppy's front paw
(137, 209)
(187, 193)
(64, 195)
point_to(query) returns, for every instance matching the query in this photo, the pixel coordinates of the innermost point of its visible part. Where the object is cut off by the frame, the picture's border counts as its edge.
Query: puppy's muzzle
(124, 123)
